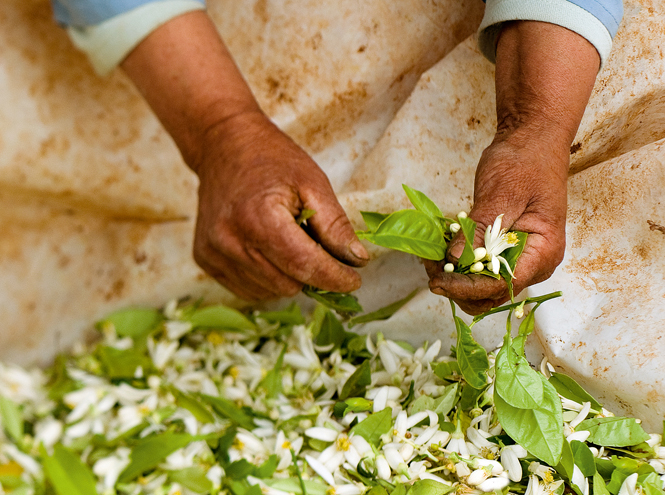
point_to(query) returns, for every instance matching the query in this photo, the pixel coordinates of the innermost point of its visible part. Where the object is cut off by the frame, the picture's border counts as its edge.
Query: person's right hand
(254, 183)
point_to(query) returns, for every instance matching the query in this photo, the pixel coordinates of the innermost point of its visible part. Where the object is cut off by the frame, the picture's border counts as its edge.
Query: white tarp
(97, 209)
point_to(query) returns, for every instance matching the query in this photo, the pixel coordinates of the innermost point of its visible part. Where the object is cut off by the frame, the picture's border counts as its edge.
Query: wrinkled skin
(254, 182)
(544, 77)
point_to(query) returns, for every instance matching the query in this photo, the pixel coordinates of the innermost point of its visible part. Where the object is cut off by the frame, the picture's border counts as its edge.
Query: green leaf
(372, 427)
(268, 468)
(192, 478)
(584, 458)
(292, 485)
(469, 396)
(400, 489)
(540, 431)
(358, 381)
(289, 316)
(150, 451)
(512, 254)
(526, 328)
(613, 431)
(136, 323)
(383, 313)
(422, 202)
(410, 231)
(353, 404)
(194, 406)
(571, 390)
(469, 231)
(12, 419)
(429, 487)
(345, 305)
(123, 363)
(227, 409)
(604, 467)
(599, 486)
(516, 382)
(442, 405)
(651, 484)
(447, 370)
(220, 317)
(373, 219)
(331, 332)
(240, 469)
(567, 463)
(67, 474)
(471, 356)
(272, 383)
(377, 490)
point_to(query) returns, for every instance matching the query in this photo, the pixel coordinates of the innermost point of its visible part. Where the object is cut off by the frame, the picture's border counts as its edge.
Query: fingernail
(358, 250)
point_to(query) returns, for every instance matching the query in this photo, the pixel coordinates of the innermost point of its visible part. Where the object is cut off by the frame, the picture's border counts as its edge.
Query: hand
(528, 186)
(254, 182)
(544, 76)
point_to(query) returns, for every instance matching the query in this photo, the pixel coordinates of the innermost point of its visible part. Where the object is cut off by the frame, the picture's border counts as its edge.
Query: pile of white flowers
(206, 400)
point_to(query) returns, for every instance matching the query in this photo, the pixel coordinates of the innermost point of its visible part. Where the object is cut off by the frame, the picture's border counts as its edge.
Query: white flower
(629, 485)
(48, 431)
(510, 460)
(109, 468)
(493, 484)
(176, 329)
(496, 242)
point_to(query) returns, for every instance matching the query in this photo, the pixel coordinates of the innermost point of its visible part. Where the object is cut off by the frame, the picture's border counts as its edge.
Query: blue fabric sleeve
(83, 13)
(609, 12)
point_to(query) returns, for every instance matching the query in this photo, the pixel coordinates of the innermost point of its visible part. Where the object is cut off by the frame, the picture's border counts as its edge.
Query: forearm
(544, 77)
(188, 77)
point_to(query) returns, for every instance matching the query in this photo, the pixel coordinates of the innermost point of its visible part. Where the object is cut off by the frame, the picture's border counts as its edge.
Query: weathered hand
(544, 76)
(529, 188)
(254, 182)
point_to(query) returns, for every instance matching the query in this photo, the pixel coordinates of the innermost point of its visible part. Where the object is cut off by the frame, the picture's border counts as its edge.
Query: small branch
(509, 307)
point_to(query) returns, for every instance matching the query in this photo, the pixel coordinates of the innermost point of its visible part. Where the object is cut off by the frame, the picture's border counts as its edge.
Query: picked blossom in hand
(497, 240)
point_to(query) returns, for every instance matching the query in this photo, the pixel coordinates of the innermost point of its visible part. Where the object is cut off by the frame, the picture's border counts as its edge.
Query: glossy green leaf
(429, 487)
(373, 219)
(567, 463)
(471, 356)
(469, 396)
(599, 486)
(613, 431)
(193, 405)
(516, 382)
(123, 363)
(422, 202)
(12, 419)
(227, 409)
(150, 451)
(331, 331)
(136, 323)
(272, 383)
(192, 478)
(353, 404)
(441, 405)
(220, 317)
(292, 315)
(469, 231)
(540, 431)
(292, 485)
(383, 313)
(584, 458)
(410, 231)
(651, 484)
(447, 370)
(570, 389)
(345, 305)
(511, 255)
(68, 474)
(372, 427)
(358, 381)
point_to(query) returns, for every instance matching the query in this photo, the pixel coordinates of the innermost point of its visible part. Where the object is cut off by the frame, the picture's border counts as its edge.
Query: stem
(298, 473)
(508, 307)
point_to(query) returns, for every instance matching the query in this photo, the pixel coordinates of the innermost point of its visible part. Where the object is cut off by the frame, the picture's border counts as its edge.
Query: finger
(331, 228)
(470, 288)
(297, 255)
(250, 269)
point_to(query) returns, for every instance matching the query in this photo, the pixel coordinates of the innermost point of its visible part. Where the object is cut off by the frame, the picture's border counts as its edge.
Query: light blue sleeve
(596, 20)
(84, 13)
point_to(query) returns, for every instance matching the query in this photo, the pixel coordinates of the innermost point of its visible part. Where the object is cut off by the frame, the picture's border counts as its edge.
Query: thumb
(331, 228)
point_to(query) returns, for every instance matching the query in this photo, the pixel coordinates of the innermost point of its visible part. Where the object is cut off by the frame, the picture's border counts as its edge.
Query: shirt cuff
(108, 43)
(560, 12)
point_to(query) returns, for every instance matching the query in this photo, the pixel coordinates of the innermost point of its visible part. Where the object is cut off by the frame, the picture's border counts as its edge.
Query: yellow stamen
(331, 491)
(215, 338)
(11, 469)
(237, 444)
(234, 372)
(286, 445)
(547, 477)
(511, 237)
(343, 443)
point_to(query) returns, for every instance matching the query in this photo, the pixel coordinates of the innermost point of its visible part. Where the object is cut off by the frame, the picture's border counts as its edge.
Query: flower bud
(448, 268)
(454, 228)
(477, 267)
(462, 214)
(479, 253)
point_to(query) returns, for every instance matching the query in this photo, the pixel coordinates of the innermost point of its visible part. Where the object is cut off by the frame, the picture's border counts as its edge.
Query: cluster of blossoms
(275, 406)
